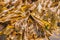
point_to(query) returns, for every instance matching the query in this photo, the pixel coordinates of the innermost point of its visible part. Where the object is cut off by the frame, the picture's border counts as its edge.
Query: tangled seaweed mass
(29, 19)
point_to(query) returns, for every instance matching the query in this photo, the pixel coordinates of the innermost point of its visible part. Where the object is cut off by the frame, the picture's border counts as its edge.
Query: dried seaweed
(29, 19)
